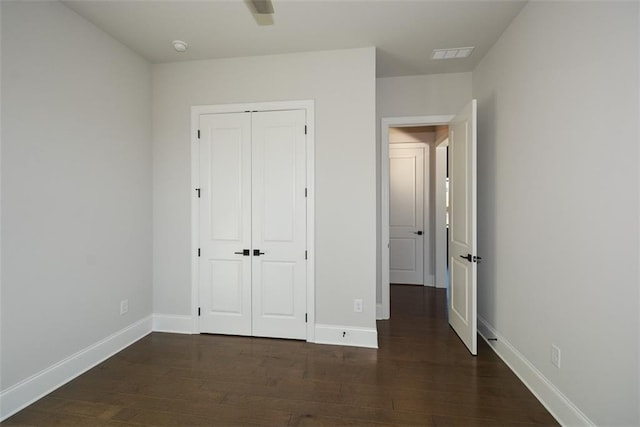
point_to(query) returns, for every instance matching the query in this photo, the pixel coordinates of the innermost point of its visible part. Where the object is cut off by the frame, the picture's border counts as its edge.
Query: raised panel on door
(406, 214)
(460, 291)
(462, 234)
(279, 224)
(225, 223)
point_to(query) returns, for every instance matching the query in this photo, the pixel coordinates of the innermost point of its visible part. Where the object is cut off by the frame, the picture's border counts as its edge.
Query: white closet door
(279, 224)
(225, 223)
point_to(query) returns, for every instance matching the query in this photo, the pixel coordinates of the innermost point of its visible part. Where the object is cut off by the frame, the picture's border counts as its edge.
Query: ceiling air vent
(453, 53)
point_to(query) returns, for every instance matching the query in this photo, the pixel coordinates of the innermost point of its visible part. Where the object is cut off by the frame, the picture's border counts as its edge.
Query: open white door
(463, 259)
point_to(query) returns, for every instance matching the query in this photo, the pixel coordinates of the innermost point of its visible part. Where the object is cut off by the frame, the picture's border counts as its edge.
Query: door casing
(309, 107)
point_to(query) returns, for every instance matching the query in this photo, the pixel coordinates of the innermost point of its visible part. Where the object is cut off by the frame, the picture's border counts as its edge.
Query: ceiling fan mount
(263, 7)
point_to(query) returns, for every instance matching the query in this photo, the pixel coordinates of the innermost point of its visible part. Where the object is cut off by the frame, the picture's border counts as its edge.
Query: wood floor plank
(311, 420)
(326, 409)
(35, 418)
(470, 410)
(422, 374)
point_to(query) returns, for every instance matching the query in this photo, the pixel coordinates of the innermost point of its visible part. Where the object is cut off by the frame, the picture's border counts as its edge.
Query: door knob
(244, 252)
(256, 252)
(419, 233)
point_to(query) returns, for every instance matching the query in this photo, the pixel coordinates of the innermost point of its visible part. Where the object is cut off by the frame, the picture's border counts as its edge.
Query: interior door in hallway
(406, 213)
(463, 259)
(252, 216)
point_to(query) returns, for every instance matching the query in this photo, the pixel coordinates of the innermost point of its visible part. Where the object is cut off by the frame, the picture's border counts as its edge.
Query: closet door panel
(279, 224)
(278, 184)
(225, 223)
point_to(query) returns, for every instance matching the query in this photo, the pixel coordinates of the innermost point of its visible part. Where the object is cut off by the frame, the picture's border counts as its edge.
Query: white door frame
(440, 218)
(196, 111)
(385, 124)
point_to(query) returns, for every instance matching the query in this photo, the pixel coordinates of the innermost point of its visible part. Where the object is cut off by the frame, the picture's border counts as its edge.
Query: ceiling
(404, 32)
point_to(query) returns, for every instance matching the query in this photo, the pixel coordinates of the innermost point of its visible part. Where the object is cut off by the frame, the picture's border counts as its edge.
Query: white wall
(558, 203)
(342, 83)
(436, 94)
(0, 200)
(76, 175)
(425, 95)
(425, 134)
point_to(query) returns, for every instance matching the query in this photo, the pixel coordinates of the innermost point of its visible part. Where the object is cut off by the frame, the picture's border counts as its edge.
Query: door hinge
(198, 191)
(305, 129)
(305, 254)
(198, 133)
(198, 311)
(305, 192)
(306, 319)
(198, 251)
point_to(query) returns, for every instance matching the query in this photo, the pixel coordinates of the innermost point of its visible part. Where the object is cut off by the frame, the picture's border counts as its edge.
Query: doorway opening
(418, 205)
(462, 243)
(413, 203)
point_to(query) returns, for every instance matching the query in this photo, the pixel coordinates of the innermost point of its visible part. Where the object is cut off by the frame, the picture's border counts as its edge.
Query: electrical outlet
(357, 305)
(555, 356)
(124, 307)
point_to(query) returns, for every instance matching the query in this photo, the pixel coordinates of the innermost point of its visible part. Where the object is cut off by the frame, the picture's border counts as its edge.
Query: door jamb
(309, 107)
(440, 237)
(385, 124)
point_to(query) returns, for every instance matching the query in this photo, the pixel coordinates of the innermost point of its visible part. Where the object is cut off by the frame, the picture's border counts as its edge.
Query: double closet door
(252, 265)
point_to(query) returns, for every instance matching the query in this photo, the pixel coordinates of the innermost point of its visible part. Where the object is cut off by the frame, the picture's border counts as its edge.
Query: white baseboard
(379, 312)
(346, 335)
(177, 324)
(564, 411)
(324, 334)
(44, 382)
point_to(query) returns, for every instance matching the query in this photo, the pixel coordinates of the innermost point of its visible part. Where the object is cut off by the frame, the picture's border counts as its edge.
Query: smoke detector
(179, 45)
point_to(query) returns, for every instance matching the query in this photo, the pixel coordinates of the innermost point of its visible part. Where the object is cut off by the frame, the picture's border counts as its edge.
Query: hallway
(422, 374)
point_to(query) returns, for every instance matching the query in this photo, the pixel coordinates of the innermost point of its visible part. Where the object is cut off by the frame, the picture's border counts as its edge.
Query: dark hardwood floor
(422, 374)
